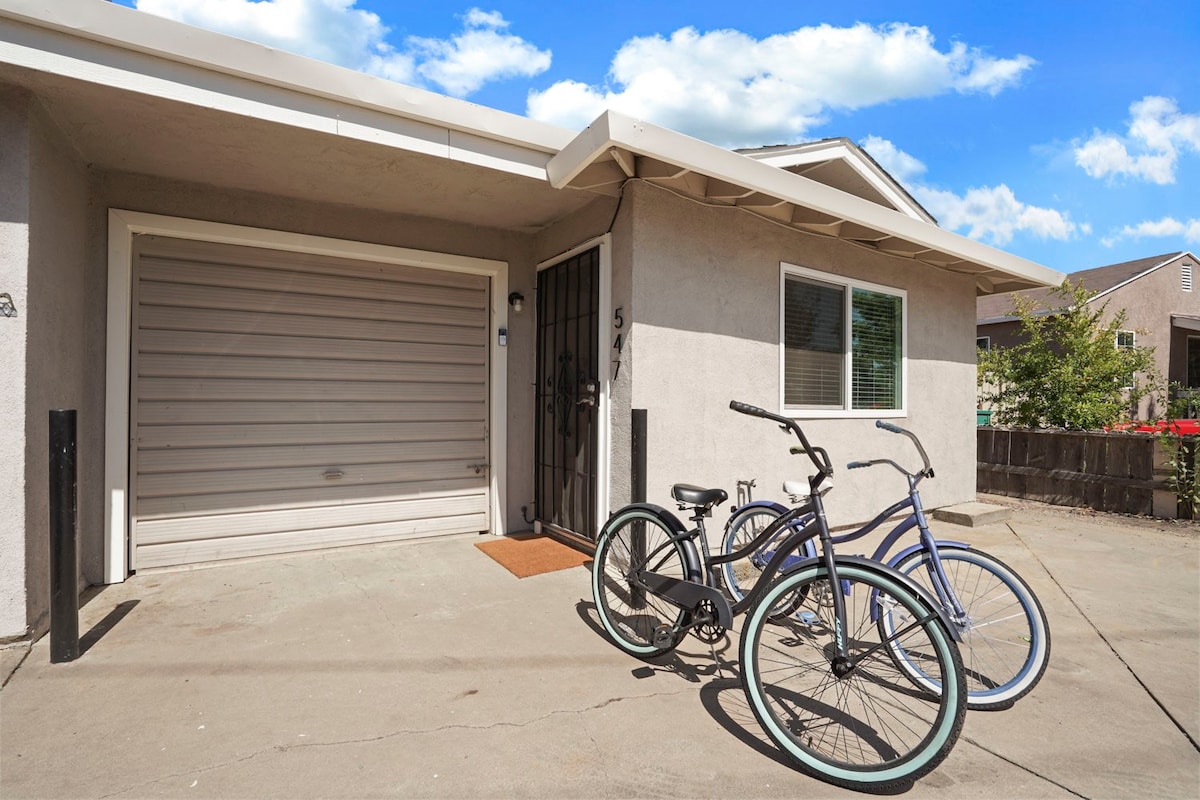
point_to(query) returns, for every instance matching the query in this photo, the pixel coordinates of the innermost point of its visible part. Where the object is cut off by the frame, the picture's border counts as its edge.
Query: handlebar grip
(857, 465)
(887, 426)
(746, 408)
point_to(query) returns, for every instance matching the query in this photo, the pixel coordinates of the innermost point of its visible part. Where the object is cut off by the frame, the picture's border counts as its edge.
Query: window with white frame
(843, 344)
(983, 343)
(1127, 340)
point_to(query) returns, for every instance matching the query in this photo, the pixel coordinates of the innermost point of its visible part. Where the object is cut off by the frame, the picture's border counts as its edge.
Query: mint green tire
(870, 729)
(638, 622)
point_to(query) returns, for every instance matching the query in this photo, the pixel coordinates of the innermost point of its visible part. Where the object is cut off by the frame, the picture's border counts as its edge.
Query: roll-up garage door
(287, 401)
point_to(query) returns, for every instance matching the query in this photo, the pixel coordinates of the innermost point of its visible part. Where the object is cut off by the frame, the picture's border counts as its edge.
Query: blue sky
(1065, 132)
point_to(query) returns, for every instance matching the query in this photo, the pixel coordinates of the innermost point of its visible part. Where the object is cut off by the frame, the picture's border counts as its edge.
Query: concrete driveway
(428, 670)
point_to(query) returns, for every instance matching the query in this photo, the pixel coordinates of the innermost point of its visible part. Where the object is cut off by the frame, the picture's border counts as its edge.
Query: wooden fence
(1117, 472)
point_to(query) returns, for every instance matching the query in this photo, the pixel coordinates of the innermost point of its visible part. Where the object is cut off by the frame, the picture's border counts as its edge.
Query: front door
(568, 372)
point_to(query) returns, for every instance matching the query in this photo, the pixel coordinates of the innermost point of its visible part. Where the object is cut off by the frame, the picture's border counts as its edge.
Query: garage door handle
(332, 474)
(479, 468)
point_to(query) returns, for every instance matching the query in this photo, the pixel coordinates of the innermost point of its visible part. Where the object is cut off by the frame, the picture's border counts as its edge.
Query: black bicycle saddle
(696, 496)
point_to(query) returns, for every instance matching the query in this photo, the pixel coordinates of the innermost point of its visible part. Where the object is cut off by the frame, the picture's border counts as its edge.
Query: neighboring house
(1161, 311)
(299, 307)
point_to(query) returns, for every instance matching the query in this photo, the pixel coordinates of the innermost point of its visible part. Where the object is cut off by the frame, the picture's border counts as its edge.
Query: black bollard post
(637, 488)
(64, 567)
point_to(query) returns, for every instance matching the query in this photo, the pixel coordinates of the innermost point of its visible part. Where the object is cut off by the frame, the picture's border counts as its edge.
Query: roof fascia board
(872, 174)
(168, 44)
(1141, 274)
(615, 129)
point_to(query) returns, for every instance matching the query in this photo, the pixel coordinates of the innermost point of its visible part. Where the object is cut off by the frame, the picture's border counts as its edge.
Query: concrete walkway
(427, 670)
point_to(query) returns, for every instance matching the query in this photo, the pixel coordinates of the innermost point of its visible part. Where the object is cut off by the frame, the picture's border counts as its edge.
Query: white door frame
(603, 406)
(123, 225)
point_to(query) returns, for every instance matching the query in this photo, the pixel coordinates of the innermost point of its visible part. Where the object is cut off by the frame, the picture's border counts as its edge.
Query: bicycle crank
(706, 628)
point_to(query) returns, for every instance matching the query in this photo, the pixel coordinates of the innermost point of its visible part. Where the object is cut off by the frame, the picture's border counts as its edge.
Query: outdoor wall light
(517, 301)
(9, 309)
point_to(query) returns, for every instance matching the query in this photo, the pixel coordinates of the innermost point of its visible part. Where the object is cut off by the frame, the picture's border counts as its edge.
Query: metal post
(64, 567)
(638, 457)
(637, 488)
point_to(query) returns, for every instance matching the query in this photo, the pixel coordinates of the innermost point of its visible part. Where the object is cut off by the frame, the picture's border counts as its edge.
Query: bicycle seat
(696, 496)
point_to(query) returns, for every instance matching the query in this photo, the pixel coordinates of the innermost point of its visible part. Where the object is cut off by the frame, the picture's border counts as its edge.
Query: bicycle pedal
(663, 636)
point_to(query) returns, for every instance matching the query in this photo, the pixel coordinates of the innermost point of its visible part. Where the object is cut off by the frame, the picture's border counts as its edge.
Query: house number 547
(619, 342)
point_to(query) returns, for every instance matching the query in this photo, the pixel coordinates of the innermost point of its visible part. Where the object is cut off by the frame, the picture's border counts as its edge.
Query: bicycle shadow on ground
(706, 661)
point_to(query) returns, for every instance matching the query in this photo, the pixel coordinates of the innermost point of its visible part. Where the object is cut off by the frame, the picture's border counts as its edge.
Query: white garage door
(286, 401)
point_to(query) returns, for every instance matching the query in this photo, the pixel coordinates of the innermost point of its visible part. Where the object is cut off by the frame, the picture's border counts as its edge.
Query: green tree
(1066, 371)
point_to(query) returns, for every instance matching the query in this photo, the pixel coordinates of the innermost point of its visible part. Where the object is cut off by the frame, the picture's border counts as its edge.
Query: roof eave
(614, 137)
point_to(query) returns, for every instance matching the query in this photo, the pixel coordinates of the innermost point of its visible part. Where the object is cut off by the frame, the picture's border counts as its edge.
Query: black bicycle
(831, 682)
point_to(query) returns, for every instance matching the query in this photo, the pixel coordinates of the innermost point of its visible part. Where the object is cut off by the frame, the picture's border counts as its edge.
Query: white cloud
(338, 32)
(479, 54)
(1188, 230)
(735, 90)
(1158, 132)
(987, 213)
(899, 164)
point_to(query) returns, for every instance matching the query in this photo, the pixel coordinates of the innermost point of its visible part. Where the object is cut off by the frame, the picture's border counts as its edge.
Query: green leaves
(1067, 371)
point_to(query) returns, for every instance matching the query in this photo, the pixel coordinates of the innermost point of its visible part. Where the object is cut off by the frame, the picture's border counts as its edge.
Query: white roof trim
(613, 129)
(871, 172)
(103, 43)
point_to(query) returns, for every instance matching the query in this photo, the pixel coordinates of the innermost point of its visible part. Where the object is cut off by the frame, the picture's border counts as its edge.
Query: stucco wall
(15, 110)
(63, 352)
(705, 315)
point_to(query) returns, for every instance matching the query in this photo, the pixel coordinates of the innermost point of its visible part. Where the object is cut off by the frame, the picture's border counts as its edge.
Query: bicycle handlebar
(823, 464)
(890, 428)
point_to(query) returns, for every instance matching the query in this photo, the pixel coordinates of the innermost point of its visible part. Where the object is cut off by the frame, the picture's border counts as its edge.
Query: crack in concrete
(362, 589)
(1022, 767)
(1145, 687)
(285, 748)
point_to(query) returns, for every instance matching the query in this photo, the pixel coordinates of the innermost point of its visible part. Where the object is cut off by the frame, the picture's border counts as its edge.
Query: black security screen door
(567, 393)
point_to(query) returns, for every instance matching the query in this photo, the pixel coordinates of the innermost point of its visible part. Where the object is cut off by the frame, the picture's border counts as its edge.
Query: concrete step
(972, 515)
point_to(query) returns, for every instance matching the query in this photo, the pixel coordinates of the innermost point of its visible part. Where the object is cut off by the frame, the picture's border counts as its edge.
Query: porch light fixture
(517, 301)
(9, 309)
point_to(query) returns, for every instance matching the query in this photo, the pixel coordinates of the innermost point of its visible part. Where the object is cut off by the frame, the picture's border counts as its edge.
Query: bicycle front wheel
(1005, 636)
(857, 723)
(640, 623)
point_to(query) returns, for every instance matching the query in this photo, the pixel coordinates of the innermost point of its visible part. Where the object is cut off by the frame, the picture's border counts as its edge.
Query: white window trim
(122, 225)
(787, 269)
(1117, 340)
(987, 342)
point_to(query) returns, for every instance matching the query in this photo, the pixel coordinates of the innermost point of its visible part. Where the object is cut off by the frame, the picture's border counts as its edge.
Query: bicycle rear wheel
(638, 622)
(740, 577)
(868, 729)
(1005, 636)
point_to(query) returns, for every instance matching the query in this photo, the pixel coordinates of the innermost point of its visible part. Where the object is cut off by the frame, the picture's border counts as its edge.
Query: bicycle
(1005, 637)
(827, 683)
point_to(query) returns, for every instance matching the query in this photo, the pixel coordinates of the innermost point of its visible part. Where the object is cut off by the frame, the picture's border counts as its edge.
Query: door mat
(531, 554)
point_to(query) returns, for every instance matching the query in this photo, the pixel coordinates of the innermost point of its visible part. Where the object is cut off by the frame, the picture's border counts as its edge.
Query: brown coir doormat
(526, 554)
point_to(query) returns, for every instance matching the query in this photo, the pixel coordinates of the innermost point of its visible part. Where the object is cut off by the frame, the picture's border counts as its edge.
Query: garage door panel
(174, 436)
(287, 390)
(166, 531)
(175, 296)
(281, 500)
(285, 402)
(161, 365)
(252, 345)
(220, 458)
(286, 324)
(272, 281)
(221, 255)
(231, 412)
(204, 550)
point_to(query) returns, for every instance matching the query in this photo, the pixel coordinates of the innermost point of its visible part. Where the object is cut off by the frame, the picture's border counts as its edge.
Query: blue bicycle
(1004, 635)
